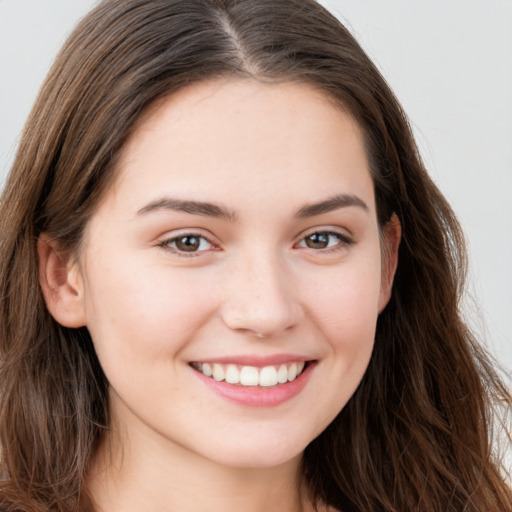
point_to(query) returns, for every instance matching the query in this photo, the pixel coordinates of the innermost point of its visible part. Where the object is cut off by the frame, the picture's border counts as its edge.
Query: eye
(322, 240)
(187, 243)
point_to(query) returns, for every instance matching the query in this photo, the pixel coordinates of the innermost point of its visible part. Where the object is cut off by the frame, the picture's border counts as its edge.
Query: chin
(259, 460)
(270, 452)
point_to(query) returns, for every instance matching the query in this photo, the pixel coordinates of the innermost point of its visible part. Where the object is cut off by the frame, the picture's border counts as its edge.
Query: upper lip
(256, 360)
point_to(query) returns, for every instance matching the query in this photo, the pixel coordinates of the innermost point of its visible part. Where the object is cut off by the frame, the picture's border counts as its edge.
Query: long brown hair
(417, 433)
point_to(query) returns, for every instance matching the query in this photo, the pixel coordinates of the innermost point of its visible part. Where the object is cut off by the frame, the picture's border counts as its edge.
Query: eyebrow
(333, 203)
(187, 206)
(218, 211)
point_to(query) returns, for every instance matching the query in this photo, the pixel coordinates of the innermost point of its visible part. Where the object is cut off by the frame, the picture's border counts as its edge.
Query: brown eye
(318, 240)
(188, 244)
(325, 240)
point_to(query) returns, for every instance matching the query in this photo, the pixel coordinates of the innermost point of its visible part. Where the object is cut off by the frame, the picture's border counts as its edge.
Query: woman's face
(239, 241)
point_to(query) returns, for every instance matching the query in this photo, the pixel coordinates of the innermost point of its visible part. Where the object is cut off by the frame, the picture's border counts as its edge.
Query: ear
(61, 282)
(391, 234)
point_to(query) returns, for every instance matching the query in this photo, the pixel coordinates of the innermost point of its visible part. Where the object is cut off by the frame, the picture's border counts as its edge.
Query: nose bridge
(260, 298)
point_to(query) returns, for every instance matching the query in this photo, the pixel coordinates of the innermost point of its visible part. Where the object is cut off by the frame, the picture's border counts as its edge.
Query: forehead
(244, 137)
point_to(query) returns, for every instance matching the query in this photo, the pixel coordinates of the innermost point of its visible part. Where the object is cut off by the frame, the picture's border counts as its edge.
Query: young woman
(228, 283)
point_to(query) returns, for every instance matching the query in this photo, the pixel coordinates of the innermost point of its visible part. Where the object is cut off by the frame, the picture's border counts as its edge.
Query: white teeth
(251, 375)
(207, 370)
(282, 374)
(232, 374)
(268, 376)
(218, 372)
(292, 372)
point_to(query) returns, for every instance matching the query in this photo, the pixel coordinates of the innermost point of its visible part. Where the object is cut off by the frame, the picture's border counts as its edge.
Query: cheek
(140, 315)
(345, 308)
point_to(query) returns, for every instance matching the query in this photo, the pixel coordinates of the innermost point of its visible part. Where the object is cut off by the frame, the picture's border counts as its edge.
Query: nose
(260, 297)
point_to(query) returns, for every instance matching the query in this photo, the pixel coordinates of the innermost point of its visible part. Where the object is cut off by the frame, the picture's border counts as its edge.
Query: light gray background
(448, 61)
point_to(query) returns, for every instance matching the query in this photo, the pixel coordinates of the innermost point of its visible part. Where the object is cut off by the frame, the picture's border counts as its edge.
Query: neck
(137, 472)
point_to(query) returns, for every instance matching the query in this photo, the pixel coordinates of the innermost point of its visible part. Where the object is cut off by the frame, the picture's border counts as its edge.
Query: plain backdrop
(448, 61)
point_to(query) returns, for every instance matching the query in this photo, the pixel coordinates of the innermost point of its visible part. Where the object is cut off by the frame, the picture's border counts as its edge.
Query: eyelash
(167, 245)
(343, 242)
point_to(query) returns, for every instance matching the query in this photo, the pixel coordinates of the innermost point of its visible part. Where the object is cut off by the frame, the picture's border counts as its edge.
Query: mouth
(252, 376)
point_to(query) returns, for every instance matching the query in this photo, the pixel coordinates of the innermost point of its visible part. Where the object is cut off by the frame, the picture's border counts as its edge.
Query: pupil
(188, 243)
(317, 241)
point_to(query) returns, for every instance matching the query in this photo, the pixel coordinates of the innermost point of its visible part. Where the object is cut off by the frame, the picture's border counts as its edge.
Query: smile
(266, 376)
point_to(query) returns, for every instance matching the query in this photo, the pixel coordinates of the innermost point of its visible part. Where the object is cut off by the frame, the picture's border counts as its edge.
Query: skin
(262, 153)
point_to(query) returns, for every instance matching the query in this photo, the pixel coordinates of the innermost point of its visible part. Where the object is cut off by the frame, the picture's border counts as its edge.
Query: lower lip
(256, 396)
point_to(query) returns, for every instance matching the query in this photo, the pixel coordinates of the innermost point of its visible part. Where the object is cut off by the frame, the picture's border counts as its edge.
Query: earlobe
(392, 234)
(61, 283)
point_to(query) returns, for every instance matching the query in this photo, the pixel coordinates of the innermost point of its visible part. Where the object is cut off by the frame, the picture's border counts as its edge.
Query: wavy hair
(418, 432)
